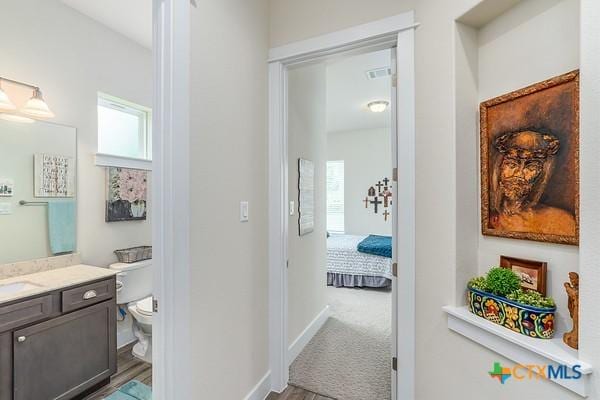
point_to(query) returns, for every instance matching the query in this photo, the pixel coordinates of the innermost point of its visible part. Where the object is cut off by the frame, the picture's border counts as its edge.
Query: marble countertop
(55, 279)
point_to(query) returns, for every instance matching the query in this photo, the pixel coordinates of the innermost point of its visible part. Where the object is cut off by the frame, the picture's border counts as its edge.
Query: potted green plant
(498, 297)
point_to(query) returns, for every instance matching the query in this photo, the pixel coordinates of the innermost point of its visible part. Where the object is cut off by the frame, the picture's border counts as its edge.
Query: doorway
(340, 241)
(395, 34)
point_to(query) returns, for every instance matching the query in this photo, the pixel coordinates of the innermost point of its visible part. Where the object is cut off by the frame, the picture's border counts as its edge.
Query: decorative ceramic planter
(137, 209)
(527, 320)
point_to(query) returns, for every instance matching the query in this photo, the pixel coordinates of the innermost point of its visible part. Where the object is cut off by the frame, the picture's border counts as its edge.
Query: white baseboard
(301, 341)
(262, 389)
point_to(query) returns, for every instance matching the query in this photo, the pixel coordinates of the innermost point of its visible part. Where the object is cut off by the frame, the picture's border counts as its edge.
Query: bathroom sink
(17, 287)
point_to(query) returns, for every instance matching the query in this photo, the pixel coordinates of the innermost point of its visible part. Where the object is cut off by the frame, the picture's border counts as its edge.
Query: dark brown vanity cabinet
(69, 350)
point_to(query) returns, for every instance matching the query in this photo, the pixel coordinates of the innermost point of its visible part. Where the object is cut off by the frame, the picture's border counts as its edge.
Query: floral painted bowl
(527, 320)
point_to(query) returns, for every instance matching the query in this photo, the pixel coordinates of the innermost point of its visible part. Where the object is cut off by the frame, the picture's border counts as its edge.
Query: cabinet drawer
(25, 312)
(83, 296)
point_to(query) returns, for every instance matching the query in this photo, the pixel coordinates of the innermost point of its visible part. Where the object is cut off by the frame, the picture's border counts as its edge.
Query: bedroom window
(335, 196)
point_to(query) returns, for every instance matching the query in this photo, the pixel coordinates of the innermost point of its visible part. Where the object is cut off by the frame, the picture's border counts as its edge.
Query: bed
(347, 267)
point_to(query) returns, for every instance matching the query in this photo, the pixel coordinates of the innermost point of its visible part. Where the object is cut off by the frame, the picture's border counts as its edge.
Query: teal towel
(137, 390)
(61, 226)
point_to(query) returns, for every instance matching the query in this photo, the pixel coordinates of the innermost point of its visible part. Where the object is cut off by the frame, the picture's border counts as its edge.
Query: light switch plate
(292, 207)
(5, 209)
(244, 211)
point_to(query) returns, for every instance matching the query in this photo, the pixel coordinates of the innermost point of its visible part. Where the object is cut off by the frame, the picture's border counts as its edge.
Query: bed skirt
(347, 280)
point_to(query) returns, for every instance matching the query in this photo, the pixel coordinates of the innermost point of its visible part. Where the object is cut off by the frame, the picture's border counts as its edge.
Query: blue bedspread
(376, 245)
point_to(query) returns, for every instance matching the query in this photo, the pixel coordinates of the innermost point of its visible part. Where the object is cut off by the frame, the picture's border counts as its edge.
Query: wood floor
(296, 393)
(128, 368)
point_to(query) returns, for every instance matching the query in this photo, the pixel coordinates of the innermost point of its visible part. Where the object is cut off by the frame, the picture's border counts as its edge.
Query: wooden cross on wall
(386, 214)
(376, 203)
(366, 200)
(379, 186)
(387, 198)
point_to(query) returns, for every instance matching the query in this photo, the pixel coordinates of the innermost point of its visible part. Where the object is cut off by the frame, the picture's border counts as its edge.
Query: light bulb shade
(378, 106)
(16, 118)
(5, 103)
(37, 107)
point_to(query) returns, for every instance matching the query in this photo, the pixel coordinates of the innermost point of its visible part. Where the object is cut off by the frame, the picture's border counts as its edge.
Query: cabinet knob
(90, 294)
(21, 339)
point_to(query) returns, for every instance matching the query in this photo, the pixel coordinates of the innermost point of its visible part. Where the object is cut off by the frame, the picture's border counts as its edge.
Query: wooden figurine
(572, 338)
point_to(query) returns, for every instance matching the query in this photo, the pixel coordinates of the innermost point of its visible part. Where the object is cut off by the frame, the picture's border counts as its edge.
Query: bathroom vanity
(57, 333)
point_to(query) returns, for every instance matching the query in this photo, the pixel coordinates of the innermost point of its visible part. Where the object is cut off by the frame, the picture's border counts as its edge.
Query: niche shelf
(520, 348)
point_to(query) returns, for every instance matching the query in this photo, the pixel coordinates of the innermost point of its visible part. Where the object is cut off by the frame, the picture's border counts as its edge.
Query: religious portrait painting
(529, 142)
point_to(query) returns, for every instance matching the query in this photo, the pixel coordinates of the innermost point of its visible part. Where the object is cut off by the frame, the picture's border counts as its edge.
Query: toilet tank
(134, 281)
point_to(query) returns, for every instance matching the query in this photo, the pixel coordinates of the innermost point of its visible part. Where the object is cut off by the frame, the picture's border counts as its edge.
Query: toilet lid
(144, 306)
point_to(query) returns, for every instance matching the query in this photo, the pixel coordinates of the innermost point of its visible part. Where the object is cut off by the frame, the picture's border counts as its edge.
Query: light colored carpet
(349, 358)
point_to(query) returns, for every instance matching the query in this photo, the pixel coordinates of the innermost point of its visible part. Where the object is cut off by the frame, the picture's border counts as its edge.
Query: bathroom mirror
(37, 186)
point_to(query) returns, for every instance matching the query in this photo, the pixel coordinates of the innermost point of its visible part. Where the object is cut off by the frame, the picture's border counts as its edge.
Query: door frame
(171, 331)
(396, 31)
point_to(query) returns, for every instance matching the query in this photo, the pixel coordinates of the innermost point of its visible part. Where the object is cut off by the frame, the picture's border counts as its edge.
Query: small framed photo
(6, 187)
(532, 273)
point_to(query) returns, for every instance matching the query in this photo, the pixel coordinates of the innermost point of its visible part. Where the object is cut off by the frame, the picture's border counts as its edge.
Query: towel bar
(33, 203)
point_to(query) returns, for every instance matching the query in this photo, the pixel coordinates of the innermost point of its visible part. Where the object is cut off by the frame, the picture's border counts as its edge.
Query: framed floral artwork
(126, 195)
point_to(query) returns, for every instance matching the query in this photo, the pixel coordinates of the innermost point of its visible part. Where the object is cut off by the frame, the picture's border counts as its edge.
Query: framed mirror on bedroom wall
(38, 194)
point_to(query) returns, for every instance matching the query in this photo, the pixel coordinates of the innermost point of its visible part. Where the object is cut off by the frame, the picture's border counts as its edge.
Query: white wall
(307, 138)
(545, 35)
(367, 156)
(447, 167)
(589, 339)
(438, 231)
(228, 155)
(293, 20)
(72, 57)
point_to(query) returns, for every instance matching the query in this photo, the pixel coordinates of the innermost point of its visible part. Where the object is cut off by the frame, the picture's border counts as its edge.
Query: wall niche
(502, 46)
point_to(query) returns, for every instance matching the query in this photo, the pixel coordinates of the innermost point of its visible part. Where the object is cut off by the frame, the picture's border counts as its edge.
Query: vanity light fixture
(378, 106)
(35, 106)
(5, 103)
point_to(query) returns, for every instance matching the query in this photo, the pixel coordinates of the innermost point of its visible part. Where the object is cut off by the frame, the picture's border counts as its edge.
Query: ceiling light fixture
(378, 106)
(35, 106)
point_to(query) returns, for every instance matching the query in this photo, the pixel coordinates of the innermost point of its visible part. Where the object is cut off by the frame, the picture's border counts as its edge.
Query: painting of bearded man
(530, 162)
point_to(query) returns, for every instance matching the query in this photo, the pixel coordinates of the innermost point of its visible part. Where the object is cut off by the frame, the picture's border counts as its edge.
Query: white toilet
(134, 289)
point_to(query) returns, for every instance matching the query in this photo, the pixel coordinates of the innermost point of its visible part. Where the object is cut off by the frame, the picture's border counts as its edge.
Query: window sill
(519, 348)
(107, 160)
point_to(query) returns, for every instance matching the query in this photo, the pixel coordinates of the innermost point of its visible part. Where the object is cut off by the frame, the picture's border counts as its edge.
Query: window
(124, 128)
(335, 196)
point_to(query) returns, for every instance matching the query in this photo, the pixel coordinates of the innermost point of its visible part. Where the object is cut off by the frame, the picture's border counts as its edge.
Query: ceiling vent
(378, 73)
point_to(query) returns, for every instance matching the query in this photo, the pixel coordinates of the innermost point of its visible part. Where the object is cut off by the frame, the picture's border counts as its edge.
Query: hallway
(349, 358)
